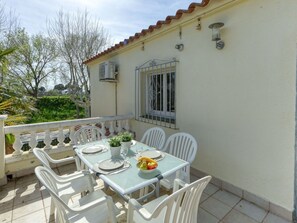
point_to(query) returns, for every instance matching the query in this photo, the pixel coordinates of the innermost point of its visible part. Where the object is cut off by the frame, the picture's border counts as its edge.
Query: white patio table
(128, 180)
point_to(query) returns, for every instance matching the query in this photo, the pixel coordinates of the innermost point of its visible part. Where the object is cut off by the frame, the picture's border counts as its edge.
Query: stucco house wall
(239, 102)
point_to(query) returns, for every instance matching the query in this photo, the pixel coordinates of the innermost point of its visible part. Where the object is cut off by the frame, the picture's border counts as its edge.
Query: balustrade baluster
(119, 129)
(17, 145)
(47, 139)
(103, 129)
(71, 135)
(111, 128)
(61, 138)
(33, 141)
(127, 127)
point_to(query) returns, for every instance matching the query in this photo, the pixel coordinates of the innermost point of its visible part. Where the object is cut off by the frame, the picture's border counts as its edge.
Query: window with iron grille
(155, 93)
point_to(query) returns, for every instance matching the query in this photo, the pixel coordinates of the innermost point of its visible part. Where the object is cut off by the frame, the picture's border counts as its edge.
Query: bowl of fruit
(146, 164)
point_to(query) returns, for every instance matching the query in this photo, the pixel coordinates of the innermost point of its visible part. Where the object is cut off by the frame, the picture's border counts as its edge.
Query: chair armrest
(67, 159)
(75, 176)
(177, 184)
(135, 205)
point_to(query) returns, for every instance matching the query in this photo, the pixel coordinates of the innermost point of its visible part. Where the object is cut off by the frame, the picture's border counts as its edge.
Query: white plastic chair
(88, 134)
(78, 181)
(154, 137)
(179, 207)
(96, 206)
(46, 160)
(183, 146)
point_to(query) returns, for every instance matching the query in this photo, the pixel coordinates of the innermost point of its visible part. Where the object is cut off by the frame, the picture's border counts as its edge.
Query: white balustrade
(31, 134)
(111, 128)
(127, 128)
(103, 128)
(119, 129)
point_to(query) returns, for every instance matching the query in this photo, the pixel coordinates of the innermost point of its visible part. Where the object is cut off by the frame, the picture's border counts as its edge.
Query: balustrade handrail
(31, 134)
(62, 124)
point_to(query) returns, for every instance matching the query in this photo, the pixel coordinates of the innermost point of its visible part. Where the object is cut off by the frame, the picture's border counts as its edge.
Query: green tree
(33, 62)
(78, 37)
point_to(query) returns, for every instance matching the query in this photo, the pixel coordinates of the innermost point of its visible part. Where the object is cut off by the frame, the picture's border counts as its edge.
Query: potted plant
(115, 146)
(126, 138)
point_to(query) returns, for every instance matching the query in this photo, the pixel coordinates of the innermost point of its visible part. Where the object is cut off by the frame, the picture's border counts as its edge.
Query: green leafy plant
(126, 136)
(115, 141)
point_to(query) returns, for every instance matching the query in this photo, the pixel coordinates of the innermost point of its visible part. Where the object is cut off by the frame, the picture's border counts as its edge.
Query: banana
(146, 159)
(146, 163)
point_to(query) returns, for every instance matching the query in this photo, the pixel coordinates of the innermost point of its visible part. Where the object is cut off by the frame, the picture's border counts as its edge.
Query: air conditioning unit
(107, 71)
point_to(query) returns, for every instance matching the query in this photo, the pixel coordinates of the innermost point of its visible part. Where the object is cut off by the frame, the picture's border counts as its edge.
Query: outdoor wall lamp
(216, 35)
(179, 47)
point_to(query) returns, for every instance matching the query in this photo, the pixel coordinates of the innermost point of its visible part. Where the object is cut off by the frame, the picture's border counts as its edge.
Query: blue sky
(122, 18)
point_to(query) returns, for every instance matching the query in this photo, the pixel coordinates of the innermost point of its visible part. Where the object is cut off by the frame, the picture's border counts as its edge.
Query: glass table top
(130, 179)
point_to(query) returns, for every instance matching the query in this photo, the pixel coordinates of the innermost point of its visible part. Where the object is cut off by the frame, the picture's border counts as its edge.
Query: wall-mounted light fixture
(216, 35)
(179, 47)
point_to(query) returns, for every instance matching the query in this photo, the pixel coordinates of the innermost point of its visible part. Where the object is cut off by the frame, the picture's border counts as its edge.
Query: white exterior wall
(239, 103)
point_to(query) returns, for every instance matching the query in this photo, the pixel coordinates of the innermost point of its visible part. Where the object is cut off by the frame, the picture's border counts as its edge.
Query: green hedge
(54, 108)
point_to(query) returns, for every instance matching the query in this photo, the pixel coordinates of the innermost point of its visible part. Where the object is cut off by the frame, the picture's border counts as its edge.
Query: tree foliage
(34, 60)
(78, 38)
(12, 103)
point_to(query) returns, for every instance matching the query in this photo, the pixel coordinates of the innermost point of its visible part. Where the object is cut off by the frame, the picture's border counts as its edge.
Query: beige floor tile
(27, 207)
(25, 180)
(211, 189)
(5, 216)
(27, 196)
(236, 217)
(27, 186)
(38, 216)
(205, 217)
(227, 198)
(67, 169)
(193, 178)
(6, 203)
(271, 218)
(6, 192)
(204, 197)
(10, 184)
(215, 207)
(251, 210)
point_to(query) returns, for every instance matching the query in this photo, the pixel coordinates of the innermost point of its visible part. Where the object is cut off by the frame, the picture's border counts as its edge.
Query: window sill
(167, 122)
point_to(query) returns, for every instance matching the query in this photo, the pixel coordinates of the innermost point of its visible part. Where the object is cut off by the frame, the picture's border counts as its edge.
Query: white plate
(111, 164)
(153, 154)
(92, 149)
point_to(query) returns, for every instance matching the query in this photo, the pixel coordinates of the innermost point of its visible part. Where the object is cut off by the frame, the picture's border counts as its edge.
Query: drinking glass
(124, 152)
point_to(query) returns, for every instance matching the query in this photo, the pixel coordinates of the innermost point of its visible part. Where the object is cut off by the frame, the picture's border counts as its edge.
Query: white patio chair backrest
(182, 205)
(154, 137)
(43, 157)
(47, 179)
(64, 212)
(88, 134)
(182, 145)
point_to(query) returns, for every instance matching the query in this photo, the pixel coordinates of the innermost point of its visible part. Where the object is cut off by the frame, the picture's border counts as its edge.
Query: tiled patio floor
(25, 200)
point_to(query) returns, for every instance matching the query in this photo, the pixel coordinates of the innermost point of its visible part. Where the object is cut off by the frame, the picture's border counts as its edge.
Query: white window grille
(155, 93)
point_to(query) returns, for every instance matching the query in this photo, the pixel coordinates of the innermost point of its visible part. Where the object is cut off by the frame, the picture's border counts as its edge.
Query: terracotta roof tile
(179, 13)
